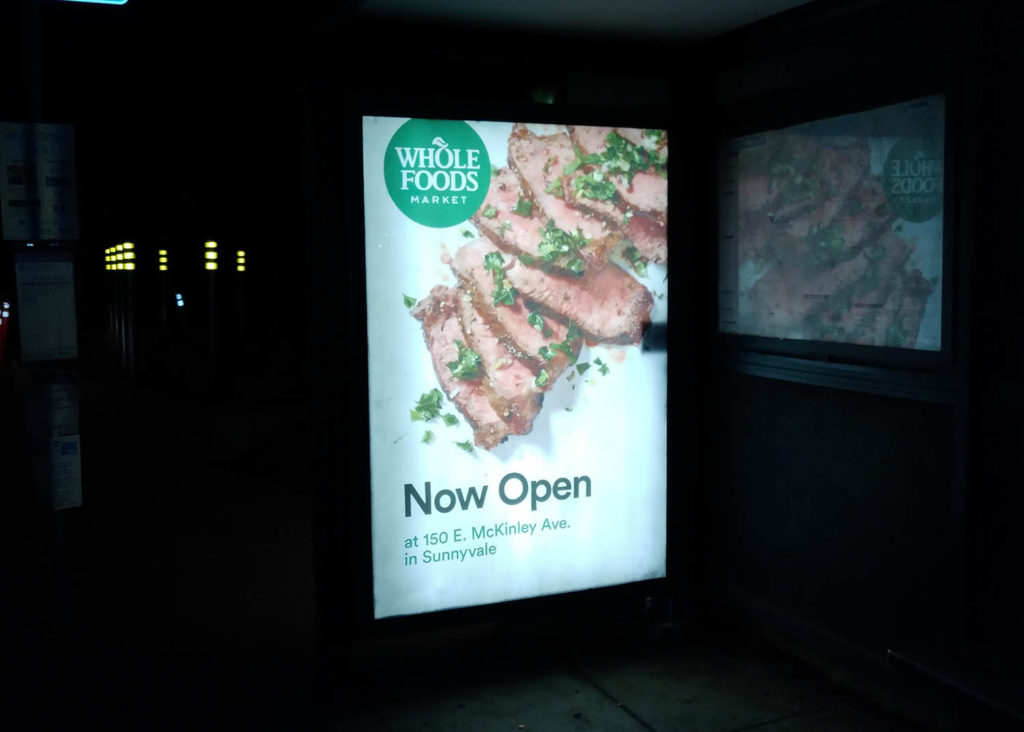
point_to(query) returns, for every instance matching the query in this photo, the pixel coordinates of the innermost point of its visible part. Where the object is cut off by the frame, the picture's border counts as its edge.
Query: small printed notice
(46, 300)
(65, 472)
(38, 188)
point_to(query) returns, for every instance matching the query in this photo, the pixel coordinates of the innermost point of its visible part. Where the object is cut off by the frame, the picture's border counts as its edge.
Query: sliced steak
(509, 322)
(439, 313)
(539, 162)
(507, 381)
(607, 305)
(641, 201)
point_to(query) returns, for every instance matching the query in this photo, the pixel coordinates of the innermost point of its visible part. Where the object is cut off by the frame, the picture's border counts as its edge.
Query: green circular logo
(437, 171)
(913, 178)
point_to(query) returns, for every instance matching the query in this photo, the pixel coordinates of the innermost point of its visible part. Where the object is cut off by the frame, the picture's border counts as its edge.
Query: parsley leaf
(602, 367)
(582, 368)
(504, 295)
(581, 160)
(409, 301)
(428, 437)
(554, 187)
(494, 262)
(637, 260)
(450, 419)
(467, 233)
(557, 244)
(537, 321)
(507, 226)
(490, 212)
(467, 366)
(593, 186)
(523, 207)
(428, 407)
(467, 445)
(542, 378)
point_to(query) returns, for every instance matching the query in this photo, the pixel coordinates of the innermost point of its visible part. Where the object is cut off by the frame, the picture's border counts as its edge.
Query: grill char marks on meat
(509, 322)
(507, 382)
(608, 306)
(439, 313)
(641, 202)
(539, 162)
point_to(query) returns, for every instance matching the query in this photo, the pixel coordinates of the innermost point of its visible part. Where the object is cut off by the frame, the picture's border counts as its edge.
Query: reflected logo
(913, 179)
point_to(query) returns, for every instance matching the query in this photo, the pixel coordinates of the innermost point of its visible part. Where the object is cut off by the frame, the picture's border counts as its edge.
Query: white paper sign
(38, 188)
(46, 302)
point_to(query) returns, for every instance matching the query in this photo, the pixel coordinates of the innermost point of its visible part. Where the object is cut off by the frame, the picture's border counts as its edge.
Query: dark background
(843, 522)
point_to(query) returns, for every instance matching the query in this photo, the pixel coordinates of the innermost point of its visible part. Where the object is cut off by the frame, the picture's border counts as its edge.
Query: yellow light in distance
(241, 268)
(211, 245)
(129, 255)
(240, 254)
(129, 265)
(211, 255)
(163, 267)
(119, 247)
(120, 265)
(163, 260)
(211, 265)
(129, 245)
(162, 252)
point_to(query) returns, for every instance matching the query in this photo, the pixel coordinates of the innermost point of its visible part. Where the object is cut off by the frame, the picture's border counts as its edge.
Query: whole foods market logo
(913, 179)
(437, 171)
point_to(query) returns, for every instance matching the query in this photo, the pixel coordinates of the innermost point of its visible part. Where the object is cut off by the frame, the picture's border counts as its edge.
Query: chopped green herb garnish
(581, 160)
(542, 378)
(637, 260)
(554, 187)
(557, 244)
(494, 262)
(467, 366)
(450, 419)
(467, 445)
(504, 295)
(548, 163)
(548, 351)
(653, 134)
(409, 301)
(602, 367)
(627, 216)
(428, 437)
(594, 186)
(537, 321)
(428, 407)
(528, 259)
(467, 233)
(490, 212)
(507, 226)
(523, 207)
(582, 368)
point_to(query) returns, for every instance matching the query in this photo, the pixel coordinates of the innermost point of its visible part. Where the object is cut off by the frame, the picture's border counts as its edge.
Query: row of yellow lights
(122, 256)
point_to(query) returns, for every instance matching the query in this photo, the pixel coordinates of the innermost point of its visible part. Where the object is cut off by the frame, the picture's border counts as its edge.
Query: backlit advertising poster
(833, 230)
(517, 419)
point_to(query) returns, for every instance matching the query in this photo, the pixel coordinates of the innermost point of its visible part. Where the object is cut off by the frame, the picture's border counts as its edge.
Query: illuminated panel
(516, 450)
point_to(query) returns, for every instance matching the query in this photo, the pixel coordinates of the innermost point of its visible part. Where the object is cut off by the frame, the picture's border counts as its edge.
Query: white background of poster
(610, 428)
